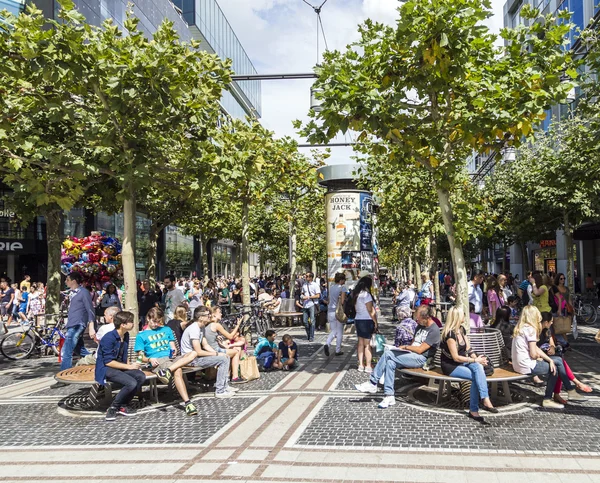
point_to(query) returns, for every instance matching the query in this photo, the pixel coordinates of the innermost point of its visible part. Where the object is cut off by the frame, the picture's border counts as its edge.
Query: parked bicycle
(585, 312)
(43, 338)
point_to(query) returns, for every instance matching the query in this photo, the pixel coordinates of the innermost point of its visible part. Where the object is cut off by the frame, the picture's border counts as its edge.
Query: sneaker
(238, 380)
(326, 350)
(366, 387)
(369, 370)
(111, 414)
(165, 375)
(387, 402)
(361, 369)
(127, 411)
(339, 353)
(549, 403)
(232, 389)
(224, 395)
(575, 396)
(190, 409)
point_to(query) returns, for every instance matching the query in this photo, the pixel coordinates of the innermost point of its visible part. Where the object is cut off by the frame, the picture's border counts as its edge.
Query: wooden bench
(287, 315)
(84, 375)
(501, 377)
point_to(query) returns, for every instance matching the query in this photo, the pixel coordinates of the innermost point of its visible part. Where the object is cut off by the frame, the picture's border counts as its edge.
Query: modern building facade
(25, 249)
(550, 255)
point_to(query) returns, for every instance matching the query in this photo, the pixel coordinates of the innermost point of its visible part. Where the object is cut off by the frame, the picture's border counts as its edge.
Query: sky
(280, 37)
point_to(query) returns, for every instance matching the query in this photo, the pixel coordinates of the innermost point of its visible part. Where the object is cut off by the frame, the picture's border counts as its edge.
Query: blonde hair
(530, 316)
(454, 320)
(180, 313)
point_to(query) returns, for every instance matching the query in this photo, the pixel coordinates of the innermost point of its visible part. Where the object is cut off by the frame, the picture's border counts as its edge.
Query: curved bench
(502, 376)
(84, 375)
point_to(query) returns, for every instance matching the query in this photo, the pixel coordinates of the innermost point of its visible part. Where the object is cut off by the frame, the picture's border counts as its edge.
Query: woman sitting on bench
(458, 360)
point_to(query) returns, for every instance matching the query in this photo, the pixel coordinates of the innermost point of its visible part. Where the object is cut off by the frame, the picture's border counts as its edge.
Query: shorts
(5, 309)
(364, 328)
(221, 350)
(285, 359)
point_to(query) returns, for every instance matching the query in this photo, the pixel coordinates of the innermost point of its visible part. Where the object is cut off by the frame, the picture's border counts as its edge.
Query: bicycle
(20, 345)
(585, 312)
(257, 323)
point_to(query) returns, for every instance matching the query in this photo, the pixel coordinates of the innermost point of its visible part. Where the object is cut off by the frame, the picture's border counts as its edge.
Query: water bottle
(171, 353)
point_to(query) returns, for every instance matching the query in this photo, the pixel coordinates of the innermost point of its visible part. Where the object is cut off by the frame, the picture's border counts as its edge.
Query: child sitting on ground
(288, 353)
(266, 351)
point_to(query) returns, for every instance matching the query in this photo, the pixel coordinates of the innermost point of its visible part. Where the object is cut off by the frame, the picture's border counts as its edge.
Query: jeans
(309, 313)
(562, 373)
(222, 365)
(337, 331)
(473, 371)
(389, 362)
(131, 380)
(73, 343)
(542, 368)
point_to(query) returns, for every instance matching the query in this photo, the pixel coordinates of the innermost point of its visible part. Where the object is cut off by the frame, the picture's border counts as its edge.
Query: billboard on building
(349, 234)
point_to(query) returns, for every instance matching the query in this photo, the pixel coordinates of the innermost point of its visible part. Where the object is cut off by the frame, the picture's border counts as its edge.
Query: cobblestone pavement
(305, 425)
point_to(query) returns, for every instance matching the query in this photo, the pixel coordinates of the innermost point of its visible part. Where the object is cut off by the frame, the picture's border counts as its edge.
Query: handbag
(249, 369)
(489, 369)
(339, 311)
(379, 343)
(562, 324)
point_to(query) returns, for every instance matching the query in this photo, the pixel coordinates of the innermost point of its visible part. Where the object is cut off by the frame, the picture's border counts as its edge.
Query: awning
(587, 231)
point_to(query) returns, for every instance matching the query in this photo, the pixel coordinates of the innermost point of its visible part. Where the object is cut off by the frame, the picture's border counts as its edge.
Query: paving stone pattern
(40, 424)
(358, 422)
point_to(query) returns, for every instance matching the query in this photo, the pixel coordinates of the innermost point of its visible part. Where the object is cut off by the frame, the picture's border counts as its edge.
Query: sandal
(584, 387)
(559, 399)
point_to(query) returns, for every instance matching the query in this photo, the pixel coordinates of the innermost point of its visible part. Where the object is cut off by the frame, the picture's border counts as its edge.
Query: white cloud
(280, 37)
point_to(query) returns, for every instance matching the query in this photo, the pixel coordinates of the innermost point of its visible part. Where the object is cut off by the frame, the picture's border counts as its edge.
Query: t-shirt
(264, 345)
(285, 353)
(192, 332)
(334, 296)
(521, 359)
(362, 300)
(175, 326)
(428, 335)
(6, 295)
(103, 330)
(311, 289)
(541, 301)
(24, 297)
(172, 299)
(155, 343)
(476, 321)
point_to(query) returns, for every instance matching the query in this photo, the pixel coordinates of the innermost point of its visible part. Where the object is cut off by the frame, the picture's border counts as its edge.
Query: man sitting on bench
(112, 366)
(196, 352)
(426, 341)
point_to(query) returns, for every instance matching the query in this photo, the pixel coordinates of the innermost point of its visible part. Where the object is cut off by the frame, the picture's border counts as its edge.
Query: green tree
(435, 87)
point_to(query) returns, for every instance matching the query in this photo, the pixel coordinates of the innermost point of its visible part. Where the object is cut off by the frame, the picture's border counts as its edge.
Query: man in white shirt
(173, 297)
(475, 292)
(309, 296)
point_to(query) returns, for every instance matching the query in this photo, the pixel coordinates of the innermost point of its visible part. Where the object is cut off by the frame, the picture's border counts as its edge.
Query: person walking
(310, 294)
(337, 296)
(365, 321)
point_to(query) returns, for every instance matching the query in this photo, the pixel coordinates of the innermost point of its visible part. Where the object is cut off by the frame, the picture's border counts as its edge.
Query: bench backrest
(488, 342)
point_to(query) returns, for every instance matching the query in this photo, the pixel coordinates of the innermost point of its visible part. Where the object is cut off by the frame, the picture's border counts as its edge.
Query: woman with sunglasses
(560, 293)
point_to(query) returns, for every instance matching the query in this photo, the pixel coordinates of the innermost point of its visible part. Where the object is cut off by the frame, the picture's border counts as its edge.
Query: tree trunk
(245, 254)
(436, 272)
(570, 259)
(204, 256)
(152, 246)
(525, 258)
(503, 257)
(417, 273)
(54, 242)
(313, 267)
(293, 249)
(128, 258)
(456, 250)
(410, 269)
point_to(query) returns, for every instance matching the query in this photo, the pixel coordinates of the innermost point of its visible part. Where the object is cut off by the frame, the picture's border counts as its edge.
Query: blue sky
(280, 37)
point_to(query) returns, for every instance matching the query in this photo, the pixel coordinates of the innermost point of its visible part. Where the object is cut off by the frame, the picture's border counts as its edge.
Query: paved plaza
(307, 425)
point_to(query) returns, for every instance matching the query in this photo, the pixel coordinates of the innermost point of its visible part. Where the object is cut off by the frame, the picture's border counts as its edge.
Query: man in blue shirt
(156, 345)
(81, 314)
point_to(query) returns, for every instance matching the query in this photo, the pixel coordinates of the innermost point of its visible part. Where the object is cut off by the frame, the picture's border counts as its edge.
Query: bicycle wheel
(53, 343)
(587, 314)
(17, 345)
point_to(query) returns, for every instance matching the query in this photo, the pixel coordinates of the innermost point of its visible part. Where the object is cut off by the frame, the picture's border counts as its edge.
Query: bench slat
(505, 373)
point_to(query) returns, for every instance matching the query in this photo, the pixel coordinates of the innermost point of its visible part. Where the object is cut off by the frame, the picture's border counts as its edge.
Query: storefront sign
(548, 243)
(17, 246)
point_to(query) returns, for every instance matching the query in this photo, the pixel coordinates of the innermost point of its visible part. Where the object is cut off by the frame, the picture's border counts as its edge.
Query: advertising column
(349, 235)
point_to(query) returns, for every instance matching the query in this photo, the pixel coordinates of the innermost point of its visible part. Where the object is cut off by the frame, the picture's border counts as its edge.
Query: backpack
(349, 307)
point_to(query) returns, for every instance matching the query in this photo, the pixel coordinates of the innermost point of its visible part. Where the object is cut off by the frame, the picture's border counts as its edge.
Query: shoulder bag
(339, 311)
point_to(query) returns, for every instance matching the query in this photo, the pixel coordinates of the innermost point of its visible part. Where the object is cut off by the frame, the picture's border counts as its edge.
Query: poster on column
(343, 235)
(366, 222)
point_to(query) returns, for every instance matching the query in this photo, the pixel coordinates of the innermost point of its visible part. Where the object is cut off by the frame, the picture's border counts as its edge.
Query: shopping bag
(562, 324)
(249, 369)
(379, 343)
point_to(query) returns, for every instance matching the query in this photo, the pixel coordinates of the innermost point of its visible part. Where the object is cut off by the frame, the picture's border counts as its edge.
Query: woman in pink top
(495, 296)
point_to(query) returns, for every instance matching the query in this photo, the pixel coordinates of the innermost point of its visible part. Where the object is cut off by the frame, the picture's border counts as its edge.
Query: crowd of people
(180, 326)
